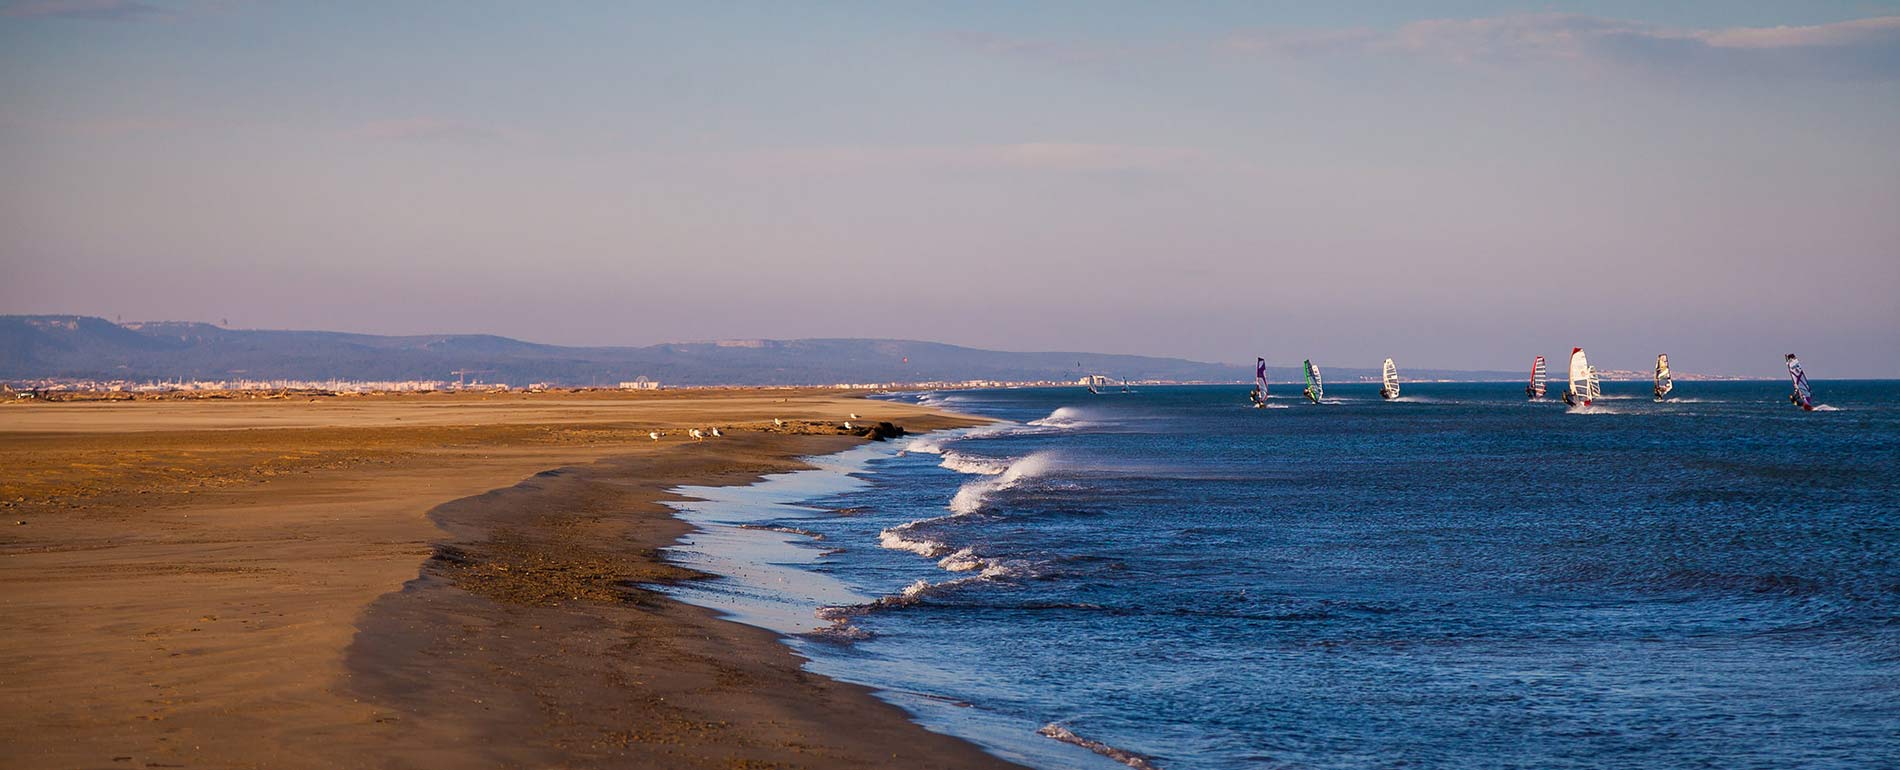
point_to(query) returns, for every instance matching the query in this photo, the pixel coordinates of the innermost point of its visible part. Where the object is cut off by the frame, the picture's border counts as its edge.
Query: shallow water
(1458, 579)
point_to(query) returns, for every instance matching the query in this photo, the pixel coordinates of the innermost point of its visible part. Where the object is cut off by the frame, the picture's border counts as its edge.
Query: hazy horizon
(1459, 184)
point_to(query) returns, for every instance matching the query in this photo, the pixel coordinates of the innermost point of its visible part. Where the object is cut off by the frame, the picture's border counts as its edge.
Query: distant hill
(84, 347)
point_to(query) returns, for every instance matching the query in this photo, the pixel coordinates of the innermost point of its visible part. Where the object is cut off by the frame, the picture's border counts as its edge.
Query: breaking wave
(974, 495)
(839, 632)
(963, 463)
(1062, 417)
(897, 539)
(1124, 756)
(911, 596)
(971, 498)
(967, 559)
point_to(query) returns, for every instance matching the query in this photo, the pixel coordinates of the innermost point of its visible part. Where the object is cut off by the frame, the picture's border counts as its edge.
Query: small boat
(1315, 390)
(1801, 396)
(1536, 389)
(1390, 390)
(1583, 380)
(1664, 382)
(1259, 395)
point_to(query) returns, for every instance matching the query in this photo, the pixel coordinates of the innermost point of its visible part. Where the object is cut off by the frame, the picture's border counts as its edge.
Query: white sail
(1596, 390)
(1391, 379)
(1581, 377)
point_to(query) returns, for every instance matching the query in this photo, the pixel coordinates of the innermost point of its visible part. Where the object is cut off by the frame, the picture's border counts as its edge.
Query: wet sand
(404, 581)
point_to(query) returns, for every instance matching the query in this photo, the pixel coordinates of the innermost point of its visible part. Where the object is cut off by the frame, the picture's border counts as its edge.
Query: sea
(1459, 578)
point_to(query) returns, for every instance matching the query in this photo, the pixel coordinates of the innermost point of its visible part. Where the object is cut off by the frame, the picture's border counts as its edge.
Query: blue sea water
(1456, 579)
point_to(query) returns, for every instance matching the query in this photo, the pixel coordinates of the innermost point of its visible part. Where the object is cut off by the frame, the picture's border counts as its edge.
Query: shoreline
(619, 687)
(520, 639)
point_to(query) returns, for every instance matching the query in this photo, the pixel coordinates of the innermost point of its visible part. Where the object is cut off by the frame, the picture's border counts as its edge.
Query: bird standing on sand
(716, 433)
(655, 435)
(778, 422)
(847, 426)
(697, 434)
(854, 415)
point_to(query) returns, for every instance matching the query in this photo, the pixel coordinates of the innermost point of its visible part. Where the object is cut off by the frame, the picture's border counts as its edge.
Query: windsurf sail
(1802, 397)
(1581, 376)
(1390, 389)
(1664, 381)
(1538, 376)
(1315, 389)
(1595, 390)
(1259, 382)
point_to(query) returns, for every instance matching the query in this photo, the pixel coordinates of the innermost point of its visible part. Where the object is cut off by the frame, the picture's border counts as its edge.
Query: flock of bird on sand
(702, 435)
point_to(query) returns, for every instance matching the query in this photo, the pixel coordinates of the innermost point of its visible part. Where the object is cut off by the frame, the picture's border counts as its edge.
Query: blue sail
(1802, 396)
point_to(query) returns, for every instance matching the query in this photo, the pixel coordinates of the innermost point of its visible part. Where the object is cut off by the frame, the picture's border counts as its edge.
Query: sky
(1452, 184)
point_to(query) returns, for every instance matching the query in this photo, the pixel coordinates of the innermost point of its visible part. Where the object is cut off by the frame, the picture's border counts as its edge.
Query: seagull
(697, 434)
(778, 422)
(854, 416)
(655, 435)
(847, 426)
(717, 433)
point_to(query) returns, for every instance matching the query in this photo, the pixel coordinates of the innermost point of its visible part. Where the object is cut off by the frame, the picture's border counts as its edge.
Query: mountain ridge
(78, 347)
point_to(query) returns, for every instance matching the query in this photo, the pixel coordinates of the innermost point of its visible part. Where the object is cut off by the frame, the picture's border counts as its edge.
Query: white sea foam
(928, 446)
(1422, 400)
(962, 561)
(935, 442)
(897, 539)
(1062, 417)
(968, 560)
(975, 494)
(841, 631)
(1124, 756)
(911, 596)
(1826, 408)
(784, 529)
(963, 463)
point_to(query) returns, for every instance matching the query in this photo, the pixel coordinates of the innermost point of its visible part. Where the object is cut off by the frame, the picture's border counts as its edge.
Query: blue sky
(1455, 184)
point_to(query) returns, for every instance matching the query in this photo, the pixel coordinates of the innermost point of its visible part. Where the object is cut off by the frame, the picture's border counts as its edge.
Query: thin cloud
(1881, 31)
(1860, 48)
(96, 10)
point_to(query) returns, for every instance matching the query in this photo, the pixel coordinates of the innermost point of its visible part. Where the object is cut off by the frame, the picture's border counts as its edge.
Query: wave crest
(1062, 417)
(975, 494)
(897, 539)
(963, 463)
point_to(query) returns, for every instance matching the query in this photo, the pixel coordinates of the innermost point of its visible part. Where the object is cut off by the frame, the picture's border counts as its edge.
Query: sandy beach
(405, 581)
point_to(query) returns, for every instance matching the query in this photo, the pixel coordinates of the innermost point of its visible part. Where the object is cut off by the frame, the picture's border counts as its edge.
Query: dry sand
(404, 581)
